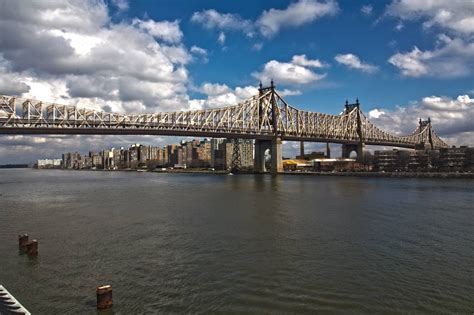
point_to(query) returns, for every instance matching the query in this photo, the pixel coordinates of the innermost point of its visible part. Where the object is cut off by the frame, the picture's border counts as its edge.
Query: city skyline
(211, 154)
(182, 55)
(206, 153)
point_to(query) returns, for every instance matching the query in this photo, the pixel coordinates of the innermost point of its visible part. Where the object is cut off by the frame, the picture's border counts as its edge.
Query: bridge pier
(259, 155)
(275, 147)
(277, 159)
(347, 149)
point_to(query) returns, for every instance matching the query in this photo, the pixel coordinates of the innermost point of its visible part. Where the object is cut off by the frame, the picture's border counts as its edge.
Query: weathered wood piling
(32, 248)
(22, 240)
(104, 297)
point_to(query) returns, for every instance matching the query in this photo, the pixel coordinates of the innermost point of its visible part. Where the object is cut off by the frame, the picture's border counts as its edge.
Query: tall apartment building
(226, 149)
(96, 159)
(215, 151)
(202, 154)
(246, 153)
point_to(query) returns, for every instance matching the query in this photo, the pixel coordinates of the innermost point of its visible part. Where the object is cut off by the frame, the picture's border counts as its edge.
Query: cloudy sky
(403, 59)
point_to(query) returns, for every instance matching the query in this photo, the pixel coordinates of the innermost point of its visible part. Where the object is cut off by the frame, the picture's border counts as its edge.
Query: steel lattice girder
(252, 118)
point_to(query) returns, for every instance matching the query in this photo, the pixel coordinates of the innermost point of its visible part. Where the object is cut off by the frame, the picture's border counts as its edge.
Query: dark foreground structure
(9, 305)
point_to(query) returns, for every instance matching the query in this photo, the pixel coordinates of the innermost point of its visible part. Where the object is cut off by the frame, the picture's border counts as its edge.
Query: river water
(180, 243)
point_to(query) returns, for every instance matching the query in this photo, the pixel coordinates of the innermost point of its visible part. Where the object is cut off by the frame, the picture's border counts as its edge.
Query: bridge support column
(277, 159)
(259, 155)
(347, 149)
(302, 149)
(261, 146)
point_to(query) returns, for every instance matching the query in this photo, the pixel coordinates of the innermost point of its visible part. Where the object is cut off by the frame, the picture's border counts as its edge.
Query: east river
(189, 243)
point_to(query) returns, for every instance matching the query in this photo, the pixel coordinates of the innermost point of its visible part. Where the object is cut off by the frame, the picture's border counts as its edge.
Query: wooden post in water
(104, 297)
(32, 248)
(22, 240)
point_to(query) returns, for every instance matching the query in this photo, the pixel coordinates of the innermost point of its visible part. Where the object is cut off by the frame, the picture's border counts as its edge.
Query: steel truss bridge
(265, 117)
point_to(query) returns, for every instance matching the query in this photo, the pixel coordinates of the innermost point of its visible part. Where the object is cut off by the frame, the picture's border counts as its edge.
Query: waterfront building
(386, 160)
(178, 158)
(49, 163)
(143, 154)
(73, 161)
(219, 156)
(227, 148)
(291, 165)
(201, 154)
(108, 159)
(336, 165)
(456, 159)
(214, 150)
(96, 160)
(171, 154)
(418, 161)
(162, 159)
(187, 152)
(246, 154)
(118, 158)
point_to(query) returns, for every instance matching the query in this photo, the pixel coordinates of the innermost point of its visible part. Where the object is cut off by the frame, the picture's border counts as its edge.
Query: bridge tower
(429, 139)
(359, 146)
(274, 145)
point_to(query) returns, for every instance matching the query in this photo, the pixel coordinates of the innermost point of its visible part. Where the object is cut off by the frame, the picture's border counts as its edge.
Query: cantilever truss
(263, 116)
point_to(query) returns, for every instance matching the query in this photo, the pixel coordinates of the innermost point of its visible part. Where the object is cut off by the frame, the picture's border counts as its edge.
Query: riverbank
(387, 174)
(343, 174)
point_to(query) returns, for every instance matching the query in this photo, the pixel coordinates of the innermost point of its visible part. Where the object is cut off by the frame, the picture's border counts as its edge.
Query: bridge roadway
(229, 134)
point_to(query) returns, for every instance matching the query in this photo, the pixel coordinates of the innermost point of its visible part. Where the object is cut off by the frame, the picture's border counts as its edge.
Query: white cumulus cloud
(451, 58)
(296, 14)
(220, 95)
(456, 15)
(122, 5)
(165, 30)
(297, 71)
(212, 19)
(354, 62)
(302, 60)
(71, 52)
(199, 52)
(271, 21)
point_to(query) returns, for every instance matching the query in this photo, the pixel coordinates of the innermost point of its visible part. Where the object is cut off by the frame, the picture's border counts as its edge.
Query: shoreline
(338, 174)
(388, 174)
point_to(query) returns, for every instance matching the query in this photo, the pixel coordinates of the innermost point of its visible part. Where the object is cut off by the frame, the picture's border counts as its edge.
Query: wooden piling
(104, 297)
(32, 248)
(22, 240)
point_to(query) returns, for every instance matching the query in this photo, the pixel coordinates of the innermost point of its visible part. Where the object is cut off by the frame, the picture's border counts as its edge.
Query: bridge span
(265, 117)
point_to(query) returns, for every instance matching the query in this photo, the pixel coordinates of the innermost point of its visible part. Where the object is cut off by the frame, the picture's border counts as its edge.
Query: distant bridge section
(263, 117)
